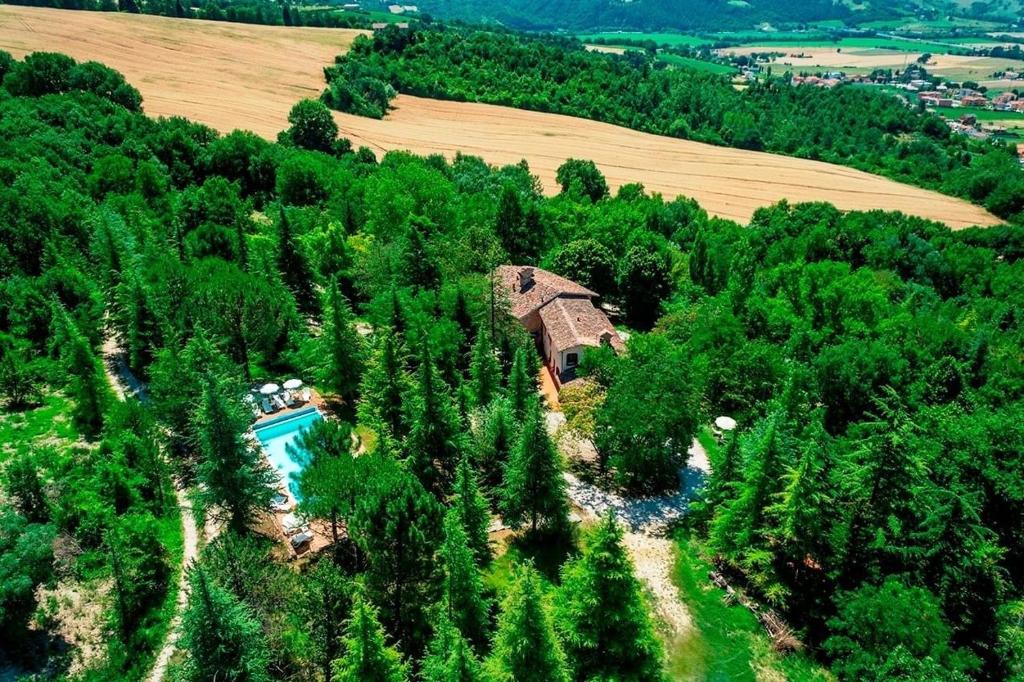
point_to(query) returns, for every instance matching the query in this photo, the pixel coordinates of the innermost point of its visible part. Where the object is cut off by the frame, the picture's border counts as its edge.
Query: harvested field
(239, 76)
(731, 183)
(222, 74)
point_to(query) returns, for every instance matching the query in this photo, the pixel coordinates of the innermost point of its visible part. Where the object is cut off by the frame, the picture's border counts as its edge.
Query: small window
(572, 359)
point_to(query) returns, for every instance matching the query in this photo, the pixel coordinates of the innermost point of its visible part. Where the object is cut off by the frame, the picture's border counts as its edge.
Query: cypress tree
(420, 267)
(600, 614)
(384, 387)
(525, 647)
(140, 327)
(462, 589)
(534, 490)
(342, 348)
(367, 657)
(286, 15)
(237, 481)
(222, 639)
(434, 441)
(450, 658)
(485, 372)
(461, 316)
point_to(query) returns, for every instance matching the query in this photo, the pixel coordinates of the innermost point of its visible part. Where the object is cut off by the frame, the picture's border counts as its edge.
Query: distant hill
(637, 14)
(709, 15)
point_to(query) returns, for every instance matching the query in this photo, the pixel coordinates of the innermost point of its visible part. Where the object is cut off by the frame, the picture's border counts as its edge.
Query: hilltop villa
(560, 314)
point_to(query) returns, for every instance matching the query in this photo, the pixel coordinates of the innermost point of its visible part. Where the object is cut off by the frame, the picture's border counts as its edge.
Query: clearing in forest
(243, 76)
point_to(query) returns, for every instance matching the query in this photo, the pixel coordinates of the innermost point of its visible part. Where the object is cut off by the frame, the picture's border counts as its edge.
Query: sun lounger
(306, 395)
(289, 399)
(280, 403)
(303, 538)
(267, 407)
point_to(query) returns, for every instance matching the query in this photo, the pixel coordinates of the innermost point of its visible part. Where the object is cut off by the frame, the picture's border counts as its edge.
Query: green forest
(642, 15)
(866, 129)
(873, 494)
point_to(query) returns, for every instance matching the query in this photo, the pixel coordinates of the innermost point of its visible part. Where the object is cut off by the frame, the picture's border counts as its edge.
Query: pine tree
(521, 388)
(397, 526)
(600, 614)
(534, 490)
(419, 265)
(342, 348)
(509, 223)
(331, 476)
(237, 481)
(292, 263)
(495, 442)
(396, 315)
(737, 527)
(385, 385)
(324, 605)
(367, 657)
(484, 371)
(88, 385)
(462, 588)
(473, 510)
(434, 442)
(139, 324)
(725, 474)
(450, 657)
(22, 483)
(525, 647)
(461, 317)
(221, 638)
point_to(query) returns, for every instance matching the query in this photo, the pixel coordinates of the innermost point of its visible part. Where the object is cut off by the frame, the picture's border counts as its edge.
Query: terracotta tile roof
(546, 287)
(576, 322)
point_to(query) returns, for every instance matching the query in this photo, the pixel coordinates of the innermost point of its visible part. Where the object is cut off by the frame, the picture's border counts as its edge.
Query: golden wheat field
(241, 76)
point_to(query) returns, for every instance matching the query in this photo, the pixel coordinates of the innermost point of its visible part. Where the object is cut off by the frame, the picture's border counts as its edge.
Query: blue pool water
(277, 434)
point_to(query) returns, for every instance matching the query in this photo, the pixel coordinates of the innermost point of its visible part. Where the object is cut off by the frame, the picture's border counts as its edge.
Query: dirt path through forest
(126, 385)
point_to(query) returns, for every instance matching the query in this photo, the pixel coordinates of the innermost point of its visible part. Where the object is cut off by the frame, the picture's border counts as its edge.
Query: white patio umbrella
(293, 384)
(269, 389)
(725, 423)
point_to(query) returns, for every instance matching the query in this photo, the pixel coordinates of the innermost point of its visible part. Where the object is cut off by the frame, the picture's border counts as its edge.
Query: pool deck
(320, 530)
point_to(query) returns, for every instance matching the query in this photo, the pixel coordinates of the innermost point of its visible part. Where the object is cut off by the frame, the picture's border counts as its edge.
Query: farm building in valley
(561, 316)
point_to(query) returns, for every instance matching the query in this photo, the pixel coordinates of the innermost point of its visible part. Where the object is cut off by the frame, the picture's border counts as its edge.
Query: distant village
(917, 84)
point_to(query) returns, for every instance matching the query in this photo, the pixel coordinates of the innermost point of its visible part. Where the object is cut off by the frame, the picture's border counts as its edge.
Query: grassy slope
(49, 425)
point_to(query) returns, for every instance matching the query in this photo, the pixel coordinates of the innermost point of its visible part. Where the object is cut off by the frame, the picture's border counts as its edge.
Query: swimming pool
(275, 435)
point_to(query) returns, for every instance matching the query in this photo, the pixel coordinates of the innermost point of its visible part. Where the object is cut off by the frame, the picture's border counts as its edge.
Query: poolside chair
(303, 538)
(306, 395)
(289, 399)
(280, 403)
(267, 407)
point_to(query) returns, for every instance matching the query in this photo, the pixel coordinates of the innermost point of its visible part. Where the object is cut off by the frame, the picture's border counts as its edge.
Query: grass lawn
(1010, 117)
(727, 643)
(48, 424)
(696, 64)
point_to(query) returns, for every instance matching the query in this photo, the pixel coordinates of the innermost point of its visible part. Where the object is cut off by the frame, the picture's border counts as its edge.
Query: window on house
(572, 359)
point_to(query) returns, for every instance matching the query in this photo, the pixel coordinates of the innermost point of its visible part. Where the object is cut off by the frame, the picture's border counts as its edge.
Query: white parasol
(269, 389)
(725, 423)
(293, 384)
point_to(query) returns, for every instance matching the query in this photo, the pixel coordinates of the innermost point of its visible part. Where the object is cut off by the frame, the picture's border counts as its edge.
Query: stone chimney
(525, 278)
